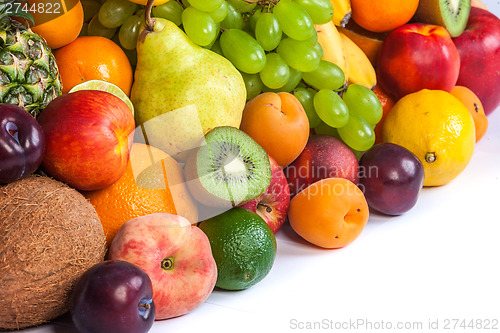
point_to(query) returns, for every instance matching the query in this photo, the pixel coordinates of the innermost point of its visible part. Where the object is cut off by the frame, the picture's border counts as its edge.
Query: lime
(104, 86)
(243, 246)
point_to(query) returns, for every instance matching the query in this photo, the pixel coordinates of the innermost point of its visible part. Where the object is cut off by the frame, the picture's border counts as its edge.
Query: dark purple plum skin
(22, 143)
(391, 178)
(109, 296)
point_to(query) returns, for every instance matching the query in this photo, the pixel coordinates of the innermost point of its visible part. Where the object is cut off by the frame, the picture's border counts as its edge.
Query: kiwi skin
(438, 12)
(204, 195)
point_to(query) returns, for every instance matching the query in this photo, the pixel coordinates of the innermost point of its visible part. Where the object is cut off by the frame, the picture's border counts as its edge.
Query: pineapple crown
(15, 8)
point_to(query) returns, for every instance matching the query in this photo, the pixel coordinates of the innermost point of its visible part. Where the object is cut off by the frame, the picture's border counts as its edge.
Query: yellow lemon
(437, 128)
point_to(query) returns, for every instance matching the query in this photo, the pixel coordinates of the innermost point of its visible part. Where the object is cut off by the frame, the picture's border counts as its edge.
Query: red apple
(89, 134)
(417, 56)
(176, 256)
(479, 49)
(272, 205)
(323, 157)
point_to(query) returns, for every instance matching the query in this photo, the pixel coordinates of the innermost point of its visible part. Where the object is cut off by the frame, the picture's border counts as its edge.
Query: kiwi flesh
(450, 14)
(227, 169)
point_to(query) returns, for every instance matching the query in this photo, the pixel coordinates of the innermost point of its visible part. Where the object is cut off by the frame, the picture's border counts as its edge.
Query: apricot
(475, 107)
(330, 213)
(278, 122)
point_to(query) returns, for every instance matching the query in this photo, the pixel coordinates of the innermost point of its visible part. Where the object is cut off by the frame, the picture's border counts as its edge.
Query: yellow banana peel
(333, 47)
(342, 12)
(361, 70)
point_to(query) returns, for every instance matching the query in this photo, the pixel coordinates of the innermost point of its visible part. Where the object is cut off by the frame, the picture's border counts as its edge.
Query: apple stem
(268, 208)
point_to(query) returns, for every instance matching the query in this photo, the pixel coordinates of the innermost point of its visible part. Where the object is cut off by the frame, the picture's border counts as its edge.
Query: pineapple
(29, 76)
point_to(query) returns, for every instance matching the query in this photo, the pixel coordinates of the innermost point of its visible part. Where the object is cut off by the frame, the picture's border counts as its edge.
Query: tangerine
(58, 22)
(383, 15)
(93, 58)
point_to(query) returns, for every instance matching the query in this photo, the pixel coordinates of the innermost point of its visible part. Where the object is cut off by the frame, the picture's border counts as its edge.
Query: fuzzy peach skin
(176, 256)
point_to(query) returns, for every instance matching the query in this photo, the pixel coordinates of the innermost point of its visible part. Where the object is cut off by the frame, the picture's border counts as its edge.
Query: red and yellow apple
(417, 56)
(89, 134)
(479, 50)
(176, 256)
(273, 204)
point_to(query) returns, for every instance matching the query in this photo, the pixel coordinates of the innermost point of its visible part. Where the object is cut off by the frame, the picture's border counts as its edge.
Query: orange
(472, 102)
(383, 15)
(387, 104)
(58, 22)
(278, 122)
(330, 213)
(125, 199)
(93, 58)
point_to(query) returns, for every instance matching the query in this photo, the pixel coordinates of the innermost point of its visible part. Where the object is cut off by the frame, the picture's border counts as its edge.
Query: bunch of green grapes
(349, 115)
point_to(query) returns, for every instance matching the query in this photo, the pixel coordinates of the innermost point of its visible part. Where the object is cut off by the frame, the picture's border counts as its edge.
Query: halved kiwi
(227, 169)
(450, 14)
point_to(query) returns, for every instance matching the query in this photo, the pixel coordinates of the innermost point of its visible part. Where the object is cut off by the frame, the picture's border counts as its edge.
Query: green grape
(293, 81)
(276, 72)
(90, 8)
(254, 16)
(206, 5)
(327, 76)
(323, 128)
(331, 108)
(114, 13)
(357, 133)
(364, 102)
(129, 31)
(217, 33)
(242, 6)
(253, 84)
(319, 49)
(199, 26)
(321, 11)
(220, 13)
(186, 3)
(313, 40)
(306, 98)
(294, 20)
(95, 28)
(299, 54)
(84, 30)
(216, 47)
(170, 10)
(268, 31)
(243, 51)
(233, 20)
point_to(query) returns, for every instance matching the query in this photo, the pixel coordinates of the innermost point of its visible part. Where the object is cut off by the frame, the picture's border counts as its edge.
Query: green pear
(181, 90)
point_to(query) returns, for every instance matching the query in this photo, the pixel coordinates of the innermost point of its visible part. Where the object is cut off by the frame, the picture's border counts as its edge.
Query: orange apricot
(472, 102)
(278, 122)
(330, 213)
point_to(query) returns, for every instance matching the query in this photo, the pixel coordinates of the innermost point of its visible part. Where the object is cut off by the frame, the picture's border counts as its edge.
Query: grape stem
(180, 3)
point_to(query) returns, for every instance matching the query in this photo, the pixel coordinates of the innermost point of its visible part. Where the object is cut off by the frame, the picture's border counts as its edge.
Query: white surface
(438, 262)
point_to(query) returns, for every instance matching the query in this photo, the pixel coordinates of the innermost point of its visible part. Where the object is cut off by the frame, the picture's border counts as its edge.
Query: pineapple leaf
(15, 8)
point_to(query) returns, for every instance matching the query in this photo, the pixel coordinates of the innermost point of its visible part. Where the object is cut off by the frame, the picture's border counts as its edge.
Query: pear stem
(149, 20)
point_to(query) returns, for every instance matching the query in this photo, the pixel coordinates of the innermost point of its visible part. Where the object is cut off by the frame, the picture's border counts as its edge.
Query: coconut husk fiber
(49, 235)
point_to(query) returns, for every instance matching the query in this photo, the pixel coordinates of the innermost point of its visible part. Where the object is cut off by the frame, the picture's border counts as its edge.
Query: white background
(438, 262)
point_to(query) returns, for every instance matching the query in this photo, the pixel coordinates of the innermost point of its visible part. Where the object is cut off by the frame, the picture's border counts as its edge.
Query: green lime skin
(243, 246)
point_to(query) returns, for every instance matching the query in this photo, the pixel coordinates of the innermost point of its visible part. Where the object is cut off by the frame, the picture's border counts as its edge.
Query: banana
(341, 12)
(333, 47)
(361, 70)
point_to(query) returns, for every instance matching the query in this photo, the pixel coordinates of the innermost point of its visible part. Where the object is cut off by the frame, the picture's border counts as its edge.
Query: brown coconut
(49, 235)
